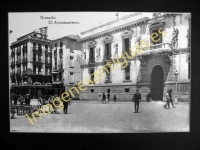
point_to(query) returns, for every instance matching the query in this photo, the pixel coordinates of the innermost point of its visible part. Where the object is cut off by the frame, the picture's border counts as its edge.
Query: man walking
(27, 99)
(137, 99)
(15, 99)
(65, 104)
(104, 98)
(115, 98)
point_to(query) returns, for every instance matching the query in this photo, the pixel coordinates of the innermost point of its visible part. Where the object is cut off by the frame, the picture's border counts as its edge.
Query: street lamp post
(106, 91)
(176, 77)
(99, 94)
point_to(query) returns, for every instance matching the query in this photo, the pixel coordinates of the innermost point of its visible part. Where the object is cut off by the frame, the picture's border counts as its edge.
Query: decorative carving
(143, 61)
(98, 57)
(156, 15)
(174, 40)
(168, 57)
(138, 40)
(116, 50)
(188, 32)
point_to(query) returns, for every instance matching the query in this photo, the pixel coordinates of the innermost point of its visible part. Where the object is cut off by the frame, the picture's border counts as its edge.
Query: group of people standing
(137, 99)
(104, 98)
(21, 99)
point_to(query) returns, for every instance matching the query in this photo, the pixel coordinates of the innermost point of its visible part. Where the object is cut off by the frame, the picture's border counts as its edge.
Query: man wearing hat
(137, 99)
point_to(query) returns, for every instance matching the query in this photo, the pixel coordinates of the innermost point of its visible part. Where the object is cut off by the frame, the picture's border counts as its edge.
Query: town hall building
(160, 43)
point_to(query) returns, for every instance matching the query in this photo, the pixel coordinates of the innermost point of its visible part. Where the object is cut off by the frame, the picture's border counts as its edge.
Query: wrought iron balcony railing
(47, 73)
(158, 46)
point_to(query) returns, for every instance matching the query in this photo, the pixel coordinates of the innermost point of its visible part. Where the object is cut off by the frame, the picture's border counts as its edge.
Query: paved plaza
(94, 117)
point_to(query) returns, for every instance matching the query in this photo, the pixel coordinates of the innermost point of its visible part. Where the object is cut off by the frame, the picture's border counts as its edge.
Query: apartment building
(31, 65)
(66, 61)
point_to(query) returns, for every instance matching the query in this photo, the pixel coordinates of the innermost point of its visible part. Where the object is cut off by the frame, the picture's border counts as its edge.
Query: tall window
(34, 45)
(71, 61)
(46, 70)
(55, 45)
(61, 44)
(108, 74)
(92, 76)
(39, 69)
(55, 63)
(126, 45)
(39, 57)
(34, 56)
(126, 41)
(46, 48)
(127, 73)
(108, 51)
(91, 56)
(156, 37)
(34, 69)
(39, 47)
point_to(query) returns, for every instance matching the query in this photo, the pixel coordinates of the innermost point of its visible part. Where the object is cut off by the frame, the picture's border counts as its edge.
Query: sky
(24, 23)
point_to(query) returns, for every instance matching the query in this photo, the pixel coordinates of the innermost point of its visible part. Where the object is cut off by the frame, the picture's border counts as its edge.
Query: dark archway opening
(156, 84)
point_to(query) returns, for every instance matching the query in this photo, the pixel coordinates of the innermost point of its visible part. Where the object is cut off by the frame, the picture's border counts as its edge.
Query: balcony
(24, 60)
(60, 67)
(48, 62)
(24, 73)
(47, 73)
(37, 73)
(57, 83)
(55, 68)
(39, 60)
(158, 48)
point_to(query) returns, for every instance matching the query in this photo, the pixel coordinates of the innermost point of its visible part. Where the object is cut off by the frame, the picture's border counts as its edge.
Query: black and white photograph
(99, 72)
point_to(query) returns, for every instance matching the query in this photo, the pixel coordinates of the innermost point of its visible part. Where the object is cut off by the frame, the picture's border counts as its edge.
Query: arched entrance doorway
(156, 84)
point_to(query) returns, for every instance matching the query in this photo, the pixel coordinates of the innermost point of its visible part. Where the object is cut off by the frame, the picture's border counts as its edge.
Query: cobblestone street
(94, 117)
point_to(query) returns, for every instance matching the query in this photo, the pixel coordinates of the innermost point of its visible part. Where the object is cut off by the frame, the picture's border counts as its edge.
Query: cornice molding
(120, 28)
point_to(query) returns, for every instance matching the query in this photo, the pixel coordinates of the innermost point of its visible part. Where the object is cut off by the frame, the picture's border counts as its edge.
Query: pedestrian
(115, 98)
(109, 97)
(149, 97)
(65, 104)
(15, 99)
(167, 99)
(104, 98)
(137, 99)
(27, 99)
(170, 98)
